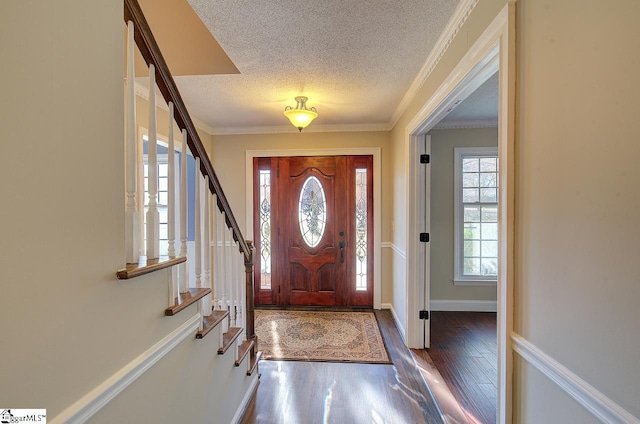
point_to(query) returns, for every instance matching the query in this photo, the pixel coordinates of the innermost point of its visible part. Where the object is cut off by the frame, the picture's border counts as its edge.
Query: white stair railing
(220, 251)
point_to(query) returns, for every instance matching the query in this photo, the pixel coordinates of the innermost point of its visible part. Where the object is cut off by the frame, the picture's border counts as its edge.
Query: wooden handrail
(151, 53)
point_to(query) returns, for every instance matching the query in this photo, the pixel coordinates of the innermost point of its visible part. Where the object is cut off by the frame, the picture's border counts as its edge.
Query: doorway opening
(492, 52)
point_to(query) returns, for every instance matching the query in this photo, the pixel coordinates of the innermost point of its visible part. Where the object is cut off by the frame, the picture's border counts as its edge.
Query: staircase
(215, 269)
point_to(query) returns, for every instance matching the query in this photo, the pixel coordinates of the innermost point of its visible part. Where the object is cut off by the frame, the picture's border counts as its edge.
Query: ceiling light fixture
(300, 117)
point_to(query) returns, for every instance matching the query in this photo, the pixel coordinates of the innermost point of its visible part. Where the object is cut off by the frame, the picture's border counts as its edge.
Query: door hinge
(424, 158)
(424, 237)
(424, 315)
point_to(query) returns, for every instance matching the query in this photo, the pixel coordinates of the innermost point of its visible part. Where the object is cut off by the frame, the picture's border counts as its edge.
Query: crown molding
(458, 19)
(454, 125)
(284, 129)
(143, 92)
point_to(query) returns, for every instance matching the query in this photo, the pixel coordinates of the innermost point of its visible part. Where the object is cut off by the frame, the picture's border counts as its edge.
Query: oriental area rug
(320, 336)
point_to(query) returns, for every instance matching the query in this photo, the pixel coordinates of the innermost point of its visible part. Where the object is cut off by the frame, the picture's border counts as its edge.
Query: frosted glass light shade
(300, 117)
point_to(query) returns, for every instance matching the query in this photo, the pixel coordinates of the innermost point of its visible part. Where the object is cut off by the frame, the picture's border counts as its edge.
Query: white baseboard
(87, 406)
(464, 305)
(586, 395)
(395, 318)
(242, 408)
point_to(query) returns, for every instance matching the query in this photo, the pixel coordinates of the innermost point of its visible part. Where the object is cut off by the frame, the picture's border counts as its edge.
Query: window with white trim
(476, 215)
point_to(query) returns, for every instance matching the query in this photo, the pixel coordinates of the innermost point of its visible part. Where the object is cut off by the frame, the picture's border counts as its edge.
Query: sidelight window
(361, 229)
(265, 229)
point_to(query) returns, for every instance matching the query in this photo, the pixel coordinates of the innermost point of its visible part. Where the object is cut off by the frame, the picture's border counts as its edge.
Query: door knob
(341, 251)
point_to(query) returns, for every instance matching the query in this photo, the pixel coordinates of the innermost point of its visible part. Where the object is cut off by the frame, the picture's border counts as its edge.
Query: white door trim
(493, 51)
(377, 198)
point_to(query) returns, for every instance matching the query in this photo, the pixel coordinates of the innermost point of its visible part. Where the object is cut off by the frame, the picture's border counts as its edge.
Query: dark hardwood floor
(323, 392)
(464, 351)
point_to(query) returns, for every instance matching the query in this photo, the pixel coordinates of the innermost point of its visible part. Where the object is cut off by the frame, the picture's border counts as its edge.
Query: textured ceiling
(354, 60)
(479, 109)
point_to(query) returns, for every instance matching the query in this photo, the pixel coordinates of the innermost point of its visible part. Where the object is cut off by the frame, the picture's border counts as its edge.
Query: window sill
(474, 282)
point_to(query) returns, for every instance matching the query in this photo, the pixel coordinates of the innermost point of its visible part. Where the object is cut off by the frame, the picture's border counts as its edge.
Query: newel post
(250, 314)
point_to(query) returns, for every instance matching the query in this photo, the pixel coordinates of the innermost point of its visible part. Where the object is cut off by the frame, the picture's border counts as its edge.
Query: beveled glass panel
(265, 229)
(361, 229)
(312, 211)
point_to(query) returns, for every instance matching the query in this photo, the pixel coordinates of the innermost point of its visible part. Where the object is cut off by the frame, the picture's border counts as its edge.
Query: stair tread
(147, 266)
(228, 338)
(185, 299)
(243, 350)
(210, 322)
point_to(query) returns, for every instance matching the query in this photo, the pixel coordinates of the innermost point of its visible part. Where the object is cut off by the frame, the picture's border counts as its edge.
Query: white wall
(577, 197)
(67, 324)
(577, 188)
(443, 143)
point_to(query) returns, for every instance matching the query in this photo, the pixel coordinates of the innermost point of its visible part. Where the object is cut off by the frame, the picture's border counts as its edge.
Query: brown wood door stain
(313, 232)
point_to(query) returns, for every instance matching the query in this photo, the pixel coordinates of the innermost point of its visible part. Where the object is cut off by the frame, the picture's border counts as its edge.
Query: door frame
(493, 51)
(377, 197)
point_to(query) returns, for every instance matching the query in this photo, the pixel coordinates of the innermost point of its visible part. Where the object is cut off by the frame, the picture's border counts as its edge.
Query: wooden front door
(313, 228)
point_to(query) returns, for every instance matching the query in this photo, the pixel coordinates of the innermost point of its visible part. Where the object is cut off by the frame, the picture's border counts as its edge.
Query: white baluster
(183, 270)
(241, 298)
(132, 218)
(230, 278)
(236, 284)
(153, 217)
(223, 270)
(214, 256)
(198, 226)
(207, 248)
(243, 290)
(171, 207)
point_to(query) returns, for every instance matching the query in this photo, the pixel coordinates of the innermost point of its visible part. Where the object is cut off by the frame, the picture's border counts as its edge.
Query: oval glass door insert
(312, 211)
